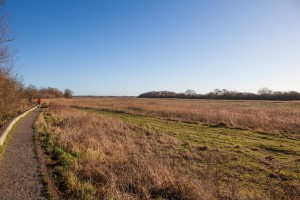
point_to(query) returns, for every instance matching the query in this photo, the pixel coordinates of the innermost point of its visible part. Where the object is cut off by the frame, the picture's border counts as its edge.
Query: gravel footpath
(20, 176)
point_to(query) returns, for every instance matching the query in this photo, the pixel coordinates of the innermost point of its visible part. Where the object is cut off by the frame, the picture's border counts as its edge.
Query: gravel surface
(20, 177)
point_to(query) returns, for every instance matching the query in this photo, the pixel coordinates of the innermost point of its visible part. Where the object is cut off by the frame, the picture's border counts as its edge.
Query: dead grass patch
(271, 116)
(98, 157)
(121, 156)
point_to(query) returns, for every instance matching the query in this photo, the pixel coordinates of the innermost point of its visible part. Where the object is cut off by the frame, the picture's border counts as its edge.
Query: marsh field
(129, 148)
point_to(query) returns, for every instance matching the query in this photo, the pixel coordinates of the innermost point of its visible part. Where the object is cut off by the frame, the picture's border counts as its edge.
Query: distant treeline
(262, 94)
(32, 92)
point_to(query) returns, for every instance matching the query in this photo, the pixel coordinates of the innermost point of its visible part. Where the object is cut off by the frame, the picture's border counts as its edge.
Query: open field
(173, 149)
(271, 116)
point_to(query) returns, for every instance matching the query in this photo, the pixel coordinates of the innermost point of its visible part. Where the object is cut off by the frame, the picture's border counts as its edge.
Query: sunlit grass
(133, 156)
(255, 154)
(268, 116)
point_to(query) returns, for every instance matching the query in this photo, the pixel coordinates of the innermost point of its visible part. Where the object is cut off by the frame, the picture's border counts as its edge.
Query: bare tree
(217, 92)
(68, 93)
(31, 92)
(190, 92)
(224, 91)
(10, 86)
(50, 92)
(6, 57)
(264, 91)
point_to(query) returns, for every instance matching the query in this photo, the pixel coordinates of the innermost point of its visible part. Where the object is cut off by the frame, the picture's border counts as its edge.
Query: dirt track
(19, 170)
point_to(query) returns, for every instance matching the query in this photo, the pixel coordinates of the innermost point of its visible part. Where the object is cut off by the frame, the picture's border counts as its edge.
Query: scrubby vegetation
(10, 96)
(97, 154)
(32, 92)
(10, 86)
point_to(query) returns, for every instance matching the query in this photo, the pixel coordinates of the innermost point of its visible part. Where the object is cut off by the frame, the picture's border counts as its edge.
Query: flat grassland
(127, 148)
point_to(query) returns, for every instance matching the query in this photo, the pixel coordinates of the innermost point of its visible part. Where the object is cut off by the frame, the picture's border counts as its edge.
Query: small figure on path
(40, 101)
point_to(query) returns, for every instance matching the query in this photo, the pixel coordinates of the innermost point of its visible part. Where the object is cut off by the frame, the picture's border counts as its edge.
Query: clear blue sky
(128, 47)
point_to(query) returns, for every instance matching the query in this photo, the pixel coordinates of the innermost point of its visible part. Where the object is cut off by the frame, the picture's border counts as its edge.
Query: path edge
(5, 129)
(47, 181)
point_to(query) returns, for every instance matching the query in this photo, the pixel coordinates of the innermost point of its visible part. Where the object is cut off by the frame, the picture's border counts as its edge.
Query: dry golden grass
(96, 156)
(117, 160)
(268, 116)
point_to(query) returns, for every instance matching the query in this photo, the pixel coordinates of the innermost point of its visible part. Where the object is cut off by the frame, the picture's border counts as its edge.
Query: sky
(128, 47)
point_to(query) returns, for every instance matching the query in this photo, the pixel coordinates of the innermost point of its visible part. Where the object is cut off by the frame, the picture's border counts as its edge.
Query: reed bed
(269, 116)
